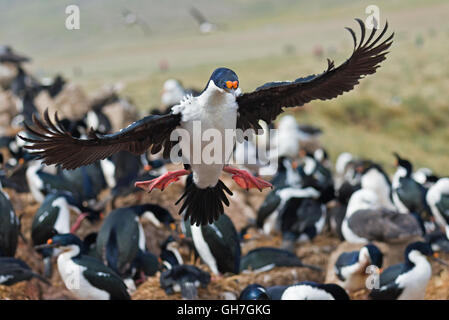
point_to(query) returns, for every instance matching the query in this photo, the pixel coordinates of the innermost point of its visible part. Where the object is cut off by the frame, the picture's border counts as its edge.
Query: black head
(254, 292)
(403, 163)
(423, 247)
(159, 213)
(65, 240)
(225, 79)
(375, 254)
(148, 263)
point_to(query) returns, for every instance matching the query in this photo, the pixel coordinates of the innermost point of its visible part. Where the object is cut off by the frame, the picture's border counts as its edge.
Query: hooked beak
(436, 258)
(49, 244)
(78, 221)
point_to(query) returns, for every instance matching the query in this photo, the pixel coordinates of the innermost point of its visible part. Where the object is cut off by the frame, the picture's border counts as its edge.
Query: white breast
(62, 224)
(304, 292)
(72, 275)
(207, 119)
(415, 281)
(203, 249)
(34, 182)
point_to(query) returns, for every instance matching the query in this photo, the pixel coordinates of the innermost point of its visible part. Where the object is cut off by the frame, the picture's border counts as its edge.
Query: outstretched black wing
(55, 145)
(267, 101)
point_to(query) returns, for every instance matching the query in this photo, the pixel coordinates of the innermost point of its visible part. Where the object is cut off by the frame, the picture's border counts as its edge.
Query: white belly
(211, 143)
(72, 275)
(203, 249)
(415, 283)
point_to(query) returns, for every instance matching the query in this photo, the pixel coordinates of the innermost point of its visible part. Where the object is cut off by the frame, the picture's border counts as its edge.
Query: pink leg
(162, 182)
(245, 180)
(78, 221)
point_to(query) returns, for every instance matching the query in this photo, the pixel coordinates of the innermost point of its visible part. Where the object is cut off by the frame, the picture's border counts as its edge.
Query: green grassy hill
(403, 107)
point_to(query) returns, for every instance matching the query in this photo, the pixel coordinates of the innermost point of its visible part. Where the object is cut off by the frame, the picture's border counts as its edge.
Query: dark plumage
(58, 147)
(9, 226)
(184, 278)
(13, 270)
(384, 225)
(267, 101)
(406, 280)
(265, 258)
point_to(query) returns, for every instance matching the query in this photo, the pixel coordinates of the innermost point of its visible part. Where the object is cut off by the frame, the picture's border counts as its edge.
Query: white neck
(214, 96)
(400, 173)
(417, 257)
(361, 200)
(73, 251)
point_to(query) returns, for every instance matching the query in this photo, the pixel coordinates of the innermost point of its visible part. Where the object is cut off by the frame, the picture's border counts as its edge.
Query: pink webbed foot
(246, 180)
(162, 182)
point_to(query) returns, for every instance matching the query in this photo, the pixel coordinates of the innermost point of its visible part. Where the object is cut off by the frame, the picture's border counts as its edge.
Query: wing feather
(55, 145)
(267, 101)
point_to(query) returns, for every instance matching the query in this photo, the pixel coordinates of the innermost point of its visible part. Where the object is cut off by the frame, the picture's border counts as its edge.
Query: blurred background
(140, 44)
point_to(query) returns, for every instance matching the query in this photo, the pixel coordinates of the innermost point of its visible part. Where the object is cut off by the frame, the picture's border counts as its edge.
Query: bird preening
(220, 106)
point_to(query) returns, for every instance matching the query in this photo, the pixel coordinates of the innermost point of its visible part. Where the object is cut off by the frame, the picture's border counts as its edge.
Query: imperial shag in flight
(220, 106)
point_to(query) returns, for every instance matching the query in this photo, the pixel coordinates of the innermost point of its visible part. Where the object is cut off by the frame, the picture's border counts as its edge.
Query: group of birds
(66, 163)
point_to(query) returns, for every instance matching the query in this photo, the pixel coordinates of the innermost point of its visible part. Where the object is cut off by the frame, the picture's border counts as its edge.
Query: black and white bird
(373, 177)
(53, 85)
(407, 280)
(14, 270)
(351, 267)
(287, 174)
(316, 175)
(184, 279)
(308, 290)
(275, 202)
(266, 258)
(85, 276)
(170, 255)
(367, 221)
(121, 242)
(219, 108)
(218, 245)
(425, 177)
(85, 183)
(53, 217)
(438, 200)
(9, 226)
(408, 195)
(301, 220)
(204, 25)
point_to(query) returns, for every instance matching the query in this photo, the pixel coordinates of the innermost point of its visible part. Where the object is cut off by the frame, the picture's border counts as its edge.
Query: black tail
(204, 206)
